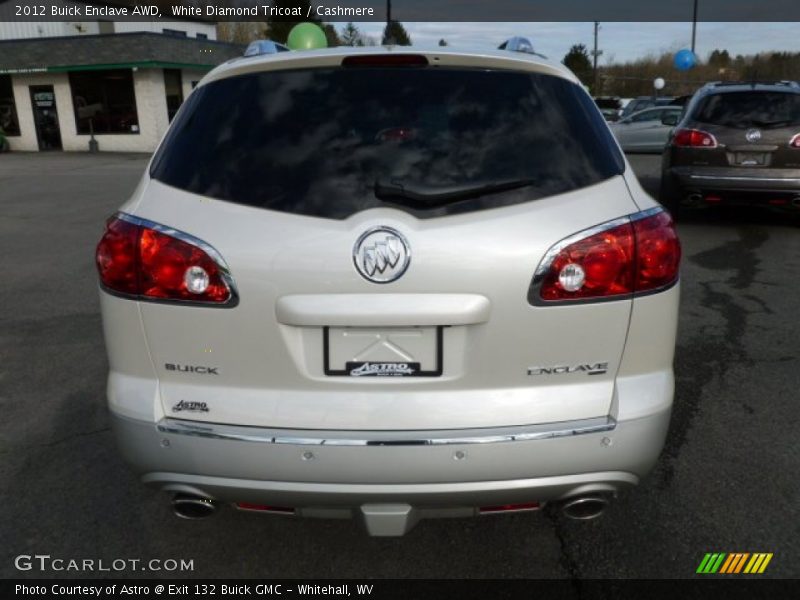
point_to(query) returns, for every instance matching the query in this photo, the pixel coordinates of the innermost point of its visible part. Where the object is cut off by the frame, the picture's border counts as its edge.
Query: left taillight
(148, 261)
(693, 138)
(637, 254)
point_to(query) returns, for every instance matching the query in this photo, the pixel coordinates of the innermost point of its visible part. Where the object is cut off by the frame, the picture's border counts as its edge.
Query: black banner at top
(404, 10)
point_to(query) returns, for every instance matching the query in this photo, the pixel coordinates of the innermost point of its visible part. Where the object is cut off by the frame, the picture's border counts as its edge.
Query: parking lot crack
(80, 434)
(566, 560)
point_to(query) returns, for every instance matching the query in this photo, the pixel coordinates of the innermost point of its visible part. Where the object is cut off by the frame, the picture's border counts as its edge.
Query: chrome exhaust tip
(191, 507)
(584, 508)
(693, 200)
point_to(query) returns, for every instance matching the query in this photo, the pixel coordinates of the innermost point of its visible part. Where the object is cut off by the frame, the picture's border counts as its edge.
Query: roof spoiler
(264, 47)
(519, 44)
(753, 82)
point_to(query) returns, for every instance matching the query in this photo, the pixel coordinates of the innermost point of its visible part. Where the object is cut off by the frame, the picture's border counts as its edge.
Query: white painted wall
(14, 30)
(188, 76)
(22, 98)
(151, 105)
(192, 28)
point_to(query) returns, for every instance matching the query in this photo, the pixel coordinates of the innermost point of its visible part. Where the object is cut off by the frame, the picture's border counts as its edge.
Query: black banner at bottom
(412, 589)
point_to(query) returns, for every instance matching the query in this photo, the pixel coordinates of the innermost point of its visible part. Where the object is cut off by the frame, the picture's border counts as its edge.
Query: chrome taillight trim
(534, 291)
(188, 238)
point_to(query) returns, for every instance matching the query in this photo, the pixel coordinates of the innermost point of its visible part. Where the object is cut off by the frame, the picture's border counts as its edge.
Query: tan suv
(390, 284)
(737, 143)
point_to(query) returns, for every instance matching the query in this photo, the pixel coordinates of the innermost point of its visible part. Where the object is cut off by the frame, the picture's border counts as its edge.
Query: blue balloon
(684, 60)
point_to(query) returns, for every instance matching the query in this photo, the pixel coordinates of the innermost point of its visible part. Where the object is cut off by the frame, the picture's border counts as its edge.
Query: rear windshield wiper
(429, 195)
(758, 123)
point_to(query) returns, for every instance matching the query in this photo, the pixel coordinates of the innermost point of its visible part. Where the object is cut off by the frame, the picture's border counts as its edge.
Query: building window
(174, 32)
(104, 101)
(173, 84)
(8, 108)
(202, 36)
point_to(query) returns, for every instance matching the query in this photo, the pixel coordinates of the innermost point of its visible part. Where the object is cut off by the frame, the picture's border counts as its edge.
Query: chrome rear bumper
(435, 469)
(385, 438)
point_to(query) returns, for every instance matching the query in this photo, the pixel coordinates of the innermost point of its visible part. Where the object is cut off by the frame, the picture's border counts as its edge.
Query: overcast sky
(618, 41)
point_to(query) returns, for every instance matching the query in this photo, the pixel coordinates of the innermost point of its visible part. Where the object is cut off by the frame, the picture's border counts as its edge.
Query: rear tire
(670, 195)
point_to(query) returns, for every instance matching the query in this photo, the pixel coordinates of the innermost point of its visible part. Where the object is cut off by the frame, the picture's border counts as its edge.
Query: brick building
(62, 82)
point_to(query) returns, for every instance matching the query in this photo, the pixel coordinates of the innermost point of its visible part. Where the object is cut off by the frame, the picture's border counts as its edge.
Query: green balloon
(306, 36)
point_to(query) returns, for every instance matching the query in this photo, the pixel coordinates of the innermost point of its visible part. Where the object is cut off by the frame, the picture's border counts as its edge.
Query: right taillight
(147, 261)
(633, 255)
(795, 141)
(694, 138)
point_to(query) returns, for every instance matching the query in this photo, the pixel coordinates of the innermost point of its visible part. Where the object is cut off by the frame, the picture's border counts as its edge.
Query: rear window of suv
(750, 109)
(323, 142)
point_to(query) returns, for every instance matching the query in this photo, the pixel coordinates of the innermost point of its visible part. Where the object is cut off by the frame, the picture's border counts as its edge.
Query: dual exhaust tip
(580, 508)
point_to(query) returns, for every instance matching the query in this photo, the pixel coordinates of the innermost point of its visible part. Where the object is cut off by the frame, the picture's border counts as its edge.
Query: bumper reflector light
(509, 508)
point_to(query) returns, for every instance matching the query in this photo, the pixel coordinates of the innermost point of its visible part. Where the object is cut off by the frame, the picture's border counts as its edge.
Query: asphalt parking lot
(726, 482)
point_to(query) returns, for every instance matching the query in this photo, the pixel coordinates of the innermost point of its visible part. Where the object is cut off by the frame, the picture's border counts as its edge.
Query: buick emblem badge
(752, 135)
(381, 255)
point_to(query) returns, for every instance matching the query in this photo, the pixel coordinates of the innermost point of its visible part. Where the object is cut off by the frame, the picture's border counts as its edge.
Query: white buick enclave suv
(391, 284)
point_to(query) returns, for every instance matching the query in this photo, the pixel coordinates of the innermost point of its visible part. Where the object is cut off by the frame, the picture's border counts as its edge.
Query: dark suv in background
(737, 143)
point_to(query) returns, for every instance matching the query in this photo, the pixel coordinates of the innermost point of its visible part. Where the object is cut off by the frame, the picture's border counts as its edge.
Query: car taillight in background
(795, 141)
(694, 138)
(148, 261)
(633, 255)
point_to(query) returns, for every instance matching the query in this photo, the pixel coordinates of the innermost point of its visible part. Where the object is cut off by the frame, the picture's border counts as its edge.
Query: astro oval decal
(381, 255)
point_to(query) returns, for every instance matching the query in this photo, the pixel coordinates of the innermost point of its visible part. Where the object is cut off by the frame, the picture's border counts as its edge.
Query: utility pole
(694, 26)
(387, 33)
(595, 54)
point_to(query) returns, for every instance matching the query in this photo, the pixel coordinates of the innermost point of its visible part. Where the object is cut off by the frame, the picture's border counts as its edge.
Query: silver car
(647, 130)
(390, 284)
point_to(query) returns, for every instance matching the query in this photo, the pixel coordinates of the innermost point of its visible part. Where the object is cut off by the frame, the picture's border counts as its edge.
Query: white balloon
(659, 83)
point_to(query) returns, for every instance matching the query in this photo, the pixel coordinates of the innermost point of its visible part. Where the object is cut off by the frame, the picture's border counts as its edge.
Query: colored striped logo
(734, 563)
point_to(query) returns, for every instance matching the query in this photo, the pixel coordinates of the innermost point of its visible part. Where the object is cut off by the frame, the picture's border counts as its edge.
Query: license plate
(372, 352)
(751, 159)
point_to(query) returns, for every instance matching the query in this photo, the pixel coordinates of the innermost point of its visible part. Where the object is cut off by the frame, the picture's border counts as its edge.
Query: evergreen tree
(395, 34)
(351, 35)
(331, 35)
(719, 59)
(578, 61)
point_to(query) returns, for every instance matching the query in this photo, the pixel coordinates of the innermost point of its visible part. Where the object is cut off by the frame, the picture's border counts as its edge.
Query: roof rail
(264, 47)
(519, 44)
(785, 82)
